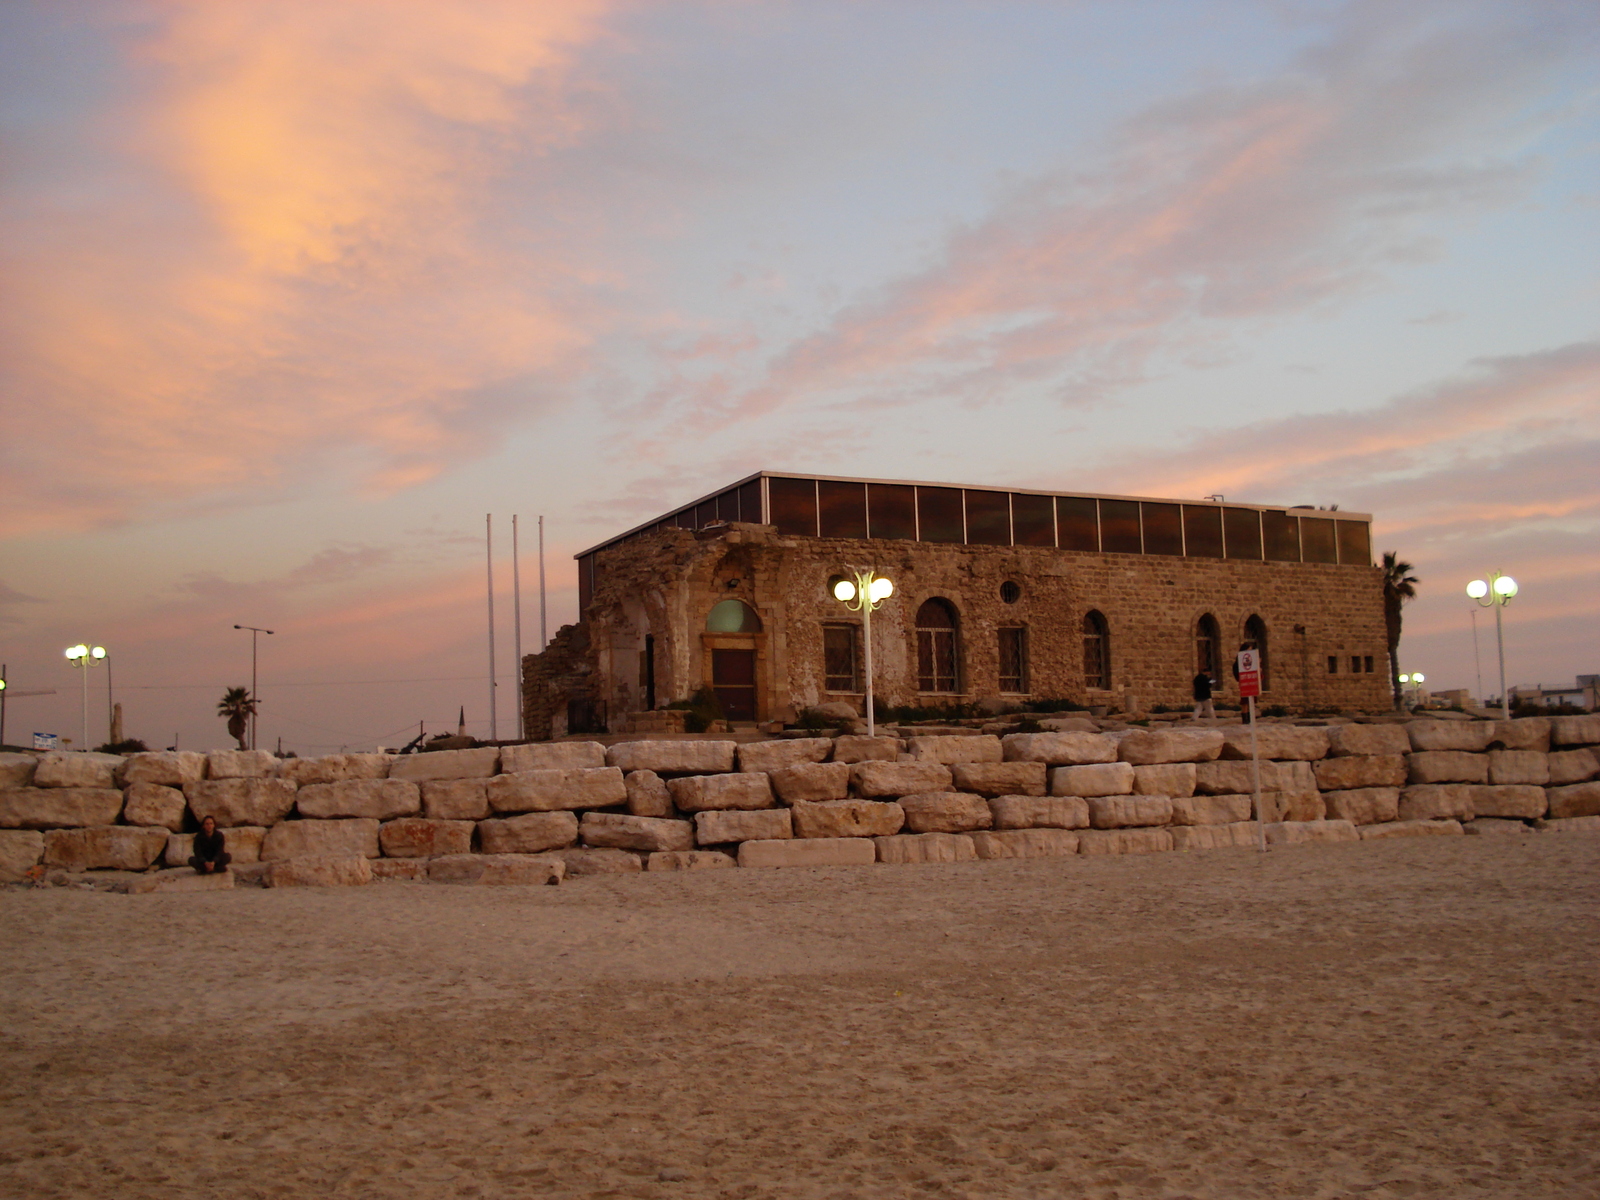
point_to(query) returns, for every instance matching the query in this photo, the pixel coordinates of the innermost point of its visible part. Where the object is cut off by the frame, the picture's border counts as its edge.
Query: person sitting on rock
(209, 857)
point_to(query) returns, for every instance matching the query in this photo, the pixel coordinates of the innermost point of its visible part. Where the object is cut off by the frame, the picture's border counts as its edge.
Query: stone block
(673, 757)
(1574, 800)
(1293, 806)
(1522, 733)
(180, 879)
(945, 812)
(925, 848)
(78, 769)
(776, 755)
(1572, 766)
(1143, 746)
(321, 870)
(949, 749)
(809, 852)
(230, 764)
(1060, 749)
(321, 839)
(1575, 731)
(847, 818)
(380, 799)
(551, 756)
(855, 748)
(1436, 801)
(1210, 810)
(104, 848)
(1410, 829)
(1299, 833)
(812, 781)
(1364, 806)
(1232, 777)
(619, 831)
(529, 833)
(422, 837)
(716, 827)
(20, 852)
(334, 768)
(1304, 743)
(1460, 736)
(600, 860)
(690, 860)
(242, 842)
(1148, 840)
(153, 804)
(1571, 825)
(647, 794)
(1069, 724)
(1025, 843)
(241, 801)
(1161, 779)
(547, 790)
(1493, 827)
(1040, 812)
(481, 762)
(1214, 837)
(249, 874)
(166, 768)
(16, 770)
(1000, 778)
(1367, 740)
(1351, 771)
(455, 799)
(899, 779)
(58, 808)
(1447, 766)
(1518, 801)
(1120, 812)
(1519, 766)
(505, 870)
(399, 870)
(697, 793)
(1101, 779)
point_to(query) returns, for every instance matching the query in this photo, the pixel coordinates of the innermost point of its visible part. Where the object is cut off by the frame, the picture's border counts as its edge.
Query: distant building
(1584, 693)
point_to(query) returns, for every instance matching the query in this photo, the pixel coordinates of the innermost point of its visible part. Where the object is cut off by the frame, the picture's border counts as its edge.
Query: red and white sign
(1249, 673)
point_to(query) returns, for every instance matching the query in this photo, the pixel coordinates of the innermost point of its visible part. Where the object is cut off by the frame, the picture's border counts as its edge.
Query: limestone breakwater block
(169, 768)
(1364, 806)
(716, 827)
(1000, 778)
(899, 779)
(1460, 736)
(1494, 827)
(481, 762)
(1024, 843)
(1518, 801)
(1436, 801)
(1144, 746)
(104, 847)
(399, 870)
(812, 781)
(925, 848)
(619, 831)
(1574, 800)
(690, 860)
(455, 799)
(320, 870)
(1367, 740)
(809, 852)
(1118, 812)
(20, 852)
(1124, 841)
(153, 804)
(1522, 733)
(1351, 771)
(1214, 837)
(16, 770)
(1573, 766)
(76, 769)
(1161, 779)
(696, 793)
(380, 799)
(854, 748)
(528, 834)
(1575, 731)
(1278, 742)
(648, 795)
(340, 838)
(774, 756)
(1060, 749)
(1299, 833)
(242, 842)
(949, 749)
(673, 757)
(1447, 766)
(946, 812)
(1233, 777)
(180, 879)
(58, 808)
(231, 764)
(1409, 829)
(241, 801)
(422, 837)
(1039, 812)
(1572, 825)
(1293, 806)
(1210, 810)
(1100, 779)
(546, 756)
(501, 870)
(546, 790)
(600, 860)
(334, 768)
(847, 818)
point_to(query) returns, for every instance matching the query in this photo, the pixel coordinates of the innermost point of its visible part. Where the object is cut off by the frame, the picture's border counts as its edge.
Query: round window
(1010, 592)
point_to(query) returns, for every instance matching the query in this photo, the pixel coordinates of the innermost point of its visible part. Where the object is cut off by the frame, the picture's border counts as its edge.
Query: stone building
(1000, 595)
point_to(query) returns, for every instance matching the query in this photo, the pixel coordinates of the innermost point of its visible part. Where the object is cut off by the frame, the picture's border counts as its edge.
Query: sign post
(1249, 668)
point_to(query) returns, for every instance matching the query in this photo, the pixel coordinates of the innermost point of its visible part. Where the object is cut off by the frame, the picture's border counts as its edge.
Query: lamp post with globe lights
(1496, 592)
(1413, 683)
(83, 657)
(864, 594)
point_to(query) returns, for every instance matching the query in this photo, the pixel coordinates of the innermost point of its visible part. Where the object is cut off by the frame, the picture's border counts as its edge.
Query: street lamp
(1414, 682)
(864, 594)
(1496, 592)
(83, 657)
(253, 701)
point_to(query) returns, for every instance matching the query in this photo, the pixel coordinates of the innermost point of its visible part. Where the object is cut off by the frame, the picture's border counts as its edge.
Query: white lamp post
(254, 703)
(1414, 683)
(1496, 591)
(865, 593)
(83, 657)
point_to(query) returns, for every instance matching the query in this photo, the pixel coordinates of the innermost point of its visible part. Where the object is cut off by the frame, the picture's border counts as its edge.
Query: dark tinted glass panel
(1355, 545)
(1242, 529)
(989, 518)
(1281, 534)
(705, 513)
(585, 582)
(794, 505)
(728, 506)
(750, 502)
(1316, 536)
(1033, 520)
(1202, 532)
(1078, 522)
(1163, 532)
(939, 514)
(1119, 527)
(892, 510)
(842, 508)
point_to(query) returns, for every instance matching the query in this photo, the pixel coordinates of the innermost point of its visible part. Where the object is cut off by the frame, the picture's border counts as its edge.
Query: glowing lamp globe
(844, 591)
(1478, 589)
(76, 652)
(98, 652)
(1417, 678)
(1505, 586)
(879, 589)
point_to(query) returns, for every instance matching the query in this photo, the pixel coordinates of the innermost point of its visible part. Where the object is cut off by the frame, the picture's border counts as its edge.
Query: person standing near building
(1203, 684)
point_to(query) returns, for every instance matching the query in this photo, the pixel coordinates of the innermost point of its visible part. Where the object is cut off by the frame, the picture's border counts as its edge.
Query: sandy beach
(1415, 1017)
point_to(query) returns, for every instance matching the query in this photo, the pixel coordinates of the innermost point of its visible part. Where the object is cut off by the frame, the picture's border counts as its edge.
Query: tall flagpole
(544, 638)
(516, 622)
(488, 541)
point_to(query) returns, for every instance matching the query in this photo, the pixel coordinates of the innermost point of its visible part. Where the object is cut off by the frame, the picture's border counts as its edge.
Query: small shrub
(126, 746)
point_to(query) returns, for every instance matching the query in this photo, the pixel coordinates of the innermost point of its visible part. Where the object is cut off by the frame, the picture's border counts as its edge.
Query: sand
(1415, 1018)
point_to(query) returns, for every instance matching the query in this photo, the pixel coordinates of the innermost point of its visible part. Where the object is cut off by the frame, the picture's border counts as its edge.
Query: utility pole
(254, 702)
(516, 623)
(488, 527)
(544, 638)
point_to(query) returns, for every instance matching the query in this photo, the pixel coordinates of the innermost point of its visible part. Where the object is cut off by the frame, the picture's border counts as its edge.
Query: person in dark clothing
(209, 857)
(1203, 684)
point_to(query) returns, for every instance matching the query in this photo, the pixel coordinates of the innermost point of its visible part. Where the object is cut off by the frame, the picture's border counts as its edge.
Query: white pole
(516, 602)
(866, 635)
(488, 541)
(1255, 780)
(1477, 659)
(1500, 641)
(544, 639)
(84, 668)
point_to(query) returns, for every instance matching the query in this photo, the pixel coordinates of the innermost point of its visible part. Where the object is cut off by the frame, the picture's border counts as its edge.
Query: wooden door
(733, 678)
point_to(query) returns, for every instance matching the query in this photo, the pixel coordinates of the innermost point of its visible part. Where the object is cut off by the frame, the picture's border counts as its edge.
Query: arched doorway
(1096, 651)
(733, 668)
(937, 651)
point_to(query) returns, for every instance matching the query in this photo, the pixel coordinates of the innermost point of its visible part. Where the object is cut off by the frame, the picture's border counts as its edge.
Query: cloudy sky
(295, 291)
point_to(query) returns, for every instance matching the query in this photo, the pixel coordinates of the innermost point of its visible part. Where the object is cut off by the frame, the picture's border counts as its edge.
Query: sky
(295, 293)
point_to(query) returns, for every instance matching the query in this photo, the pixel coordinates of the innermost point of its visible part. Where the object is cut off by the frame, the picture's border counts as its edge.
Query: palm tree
(1399, 585)
(238, 706)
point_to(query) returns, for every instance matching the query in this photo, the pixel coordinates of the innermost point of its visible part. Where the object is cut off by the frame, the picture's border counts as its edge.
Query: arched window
(732, 616)
(936, 646)
(1096, 650)
(1208, 647)
(1255, 630)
